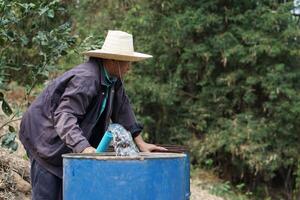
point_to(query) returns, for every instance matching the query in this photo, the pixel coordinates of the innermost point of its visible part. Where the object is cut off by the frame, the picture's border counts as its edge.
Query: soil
(199, 193)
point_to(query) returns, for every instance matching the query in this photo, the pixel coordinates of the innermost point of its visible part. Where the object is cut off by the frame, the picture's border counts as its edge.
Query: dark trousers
(45, 185)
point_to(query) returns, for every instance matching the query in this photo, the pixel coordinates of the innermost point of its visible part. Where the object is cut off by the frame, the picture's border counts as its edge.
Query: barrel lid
(112, 156)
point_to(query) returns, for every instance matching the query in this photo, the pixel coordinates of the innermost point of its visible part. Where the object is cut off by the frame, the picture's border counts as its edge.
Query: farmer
(73, 112)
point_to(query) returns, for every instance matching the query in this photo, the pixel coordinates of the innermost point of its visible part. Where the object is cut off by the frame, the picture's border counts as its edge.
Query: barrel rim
(112, 156)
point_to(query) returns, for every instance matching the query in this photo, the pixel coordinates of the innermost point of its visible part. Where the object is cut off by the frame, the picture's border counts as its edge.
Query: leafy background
(224, 78)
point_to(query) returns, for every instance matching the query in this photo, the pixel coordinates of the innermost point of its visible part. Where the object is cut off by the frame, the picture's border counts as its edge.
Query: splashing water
(122, 141)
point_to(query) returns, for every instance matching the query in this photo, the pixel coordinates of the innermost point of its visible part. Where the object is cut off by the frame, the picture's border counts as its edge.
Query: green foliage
(75, 55)
(5, 106)
(224, 79)
(226, 191)
(90, 21)
(33, 36)
(8, 141)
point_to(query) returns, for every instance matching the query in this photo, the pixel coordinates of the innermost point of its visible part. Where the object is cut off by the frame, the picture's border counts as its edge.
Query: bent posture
(73, 112)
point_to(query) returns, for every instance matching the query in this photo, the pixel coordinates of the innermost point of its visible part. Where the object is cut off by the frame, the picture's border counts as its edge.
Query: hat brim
(99, 53)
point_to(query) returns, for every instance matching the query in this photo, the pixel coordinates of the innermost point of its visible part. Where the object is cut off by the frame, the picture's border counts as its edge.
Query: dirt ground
(198, 193)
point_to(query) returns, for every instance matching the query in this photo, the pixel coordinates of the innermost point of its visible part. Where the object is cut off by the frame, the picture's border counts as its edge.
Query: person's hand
(147, 147)
(89, 150)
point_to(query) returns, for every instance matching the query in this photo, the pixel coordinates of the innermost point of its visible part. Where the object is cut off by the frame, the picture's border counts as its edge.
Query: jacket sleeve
(122, 112)
(73, 105)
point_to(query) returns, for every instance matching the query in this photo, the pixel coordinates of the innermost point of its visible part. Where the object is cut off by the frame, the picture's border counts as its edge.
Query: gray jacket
(65, 117)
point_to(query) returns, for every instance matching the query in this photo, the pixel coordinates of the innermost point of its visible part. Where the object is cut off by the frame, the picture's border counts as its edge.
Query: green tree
(224, 79)
(227, 72)
(33, 36)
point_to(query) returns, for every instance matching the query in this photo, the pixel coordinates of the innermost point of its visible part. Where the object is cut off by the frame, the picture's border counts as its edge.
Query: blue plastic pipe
(104, 143)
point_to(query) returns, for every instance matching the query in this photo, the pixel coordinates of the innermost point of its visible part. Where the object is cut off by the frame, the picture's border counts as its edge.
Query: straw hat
(118, 45)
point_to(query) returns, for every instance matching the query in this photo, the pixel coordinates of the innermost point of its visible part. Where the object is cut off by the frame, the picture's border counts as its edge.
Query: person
(73, 112)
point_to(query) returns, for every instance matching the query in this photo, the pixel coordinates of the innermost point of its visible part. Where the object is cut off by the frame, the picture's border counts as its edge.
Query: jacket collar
(105, 79)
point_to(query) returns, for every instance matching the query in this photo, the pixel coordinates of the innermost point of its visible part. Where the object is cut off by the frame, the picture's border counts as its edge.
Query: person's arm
(72, 106)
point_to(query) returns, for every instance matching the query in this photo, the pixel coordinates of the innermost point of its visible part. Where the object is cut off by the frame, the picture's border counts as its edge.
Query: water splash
(122, 141)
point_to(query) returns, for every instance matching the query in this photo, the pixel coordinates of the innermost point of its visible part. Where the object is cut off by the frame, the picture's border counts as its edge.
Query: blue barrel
(181, 149)
(187, 176)
(159, 176)
(177, 149)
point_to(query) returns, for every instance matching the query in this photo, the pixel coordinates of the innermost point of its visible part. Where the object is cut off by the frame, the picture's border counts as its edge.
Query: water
(122, 141)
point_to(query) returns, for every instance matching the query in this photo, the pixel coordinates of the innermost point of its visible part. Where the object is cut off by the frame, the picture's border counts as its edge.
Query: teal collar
(107, 79)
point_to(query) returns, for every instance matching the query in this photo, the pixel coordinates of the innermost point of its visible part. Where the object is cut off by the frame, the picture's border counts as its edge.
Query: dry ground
(198, 193)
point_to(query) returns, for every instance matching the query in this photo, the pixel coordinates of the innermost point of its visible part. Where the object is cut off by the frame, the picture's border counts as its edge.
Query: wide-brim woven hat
(118, 45)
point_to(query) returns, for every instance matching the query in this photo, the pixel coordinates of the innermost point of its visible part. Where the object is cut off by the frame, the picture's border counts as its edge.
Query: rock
(2, 184)
(21, 184)
(15, 163)
(14, 176)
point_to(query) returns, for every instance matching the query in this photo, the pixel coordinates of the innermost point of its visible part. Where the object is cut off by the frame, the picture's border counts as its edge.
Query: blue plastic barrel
(182, 149)
(187, 176)
(153, 176)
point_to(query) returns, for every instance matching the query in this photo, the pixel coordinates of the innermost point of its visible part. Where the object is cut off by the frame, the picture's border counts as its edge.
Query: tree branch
(10, 121)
